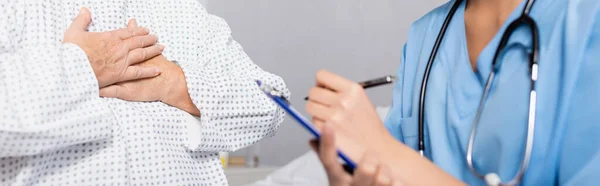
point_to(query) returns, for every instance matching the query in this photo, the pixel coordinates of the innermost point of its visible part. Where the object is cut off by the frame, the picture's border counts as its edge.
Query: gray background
(359, 39)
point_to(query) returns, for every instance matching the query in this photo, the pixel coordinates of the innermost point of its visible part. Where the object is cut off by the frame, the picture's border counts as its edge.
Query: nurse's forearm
(412, 169)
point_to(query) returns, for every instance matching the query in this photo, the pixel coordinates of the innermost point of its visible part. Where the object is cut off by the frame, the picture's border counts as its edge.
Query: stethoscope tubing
(524, 19)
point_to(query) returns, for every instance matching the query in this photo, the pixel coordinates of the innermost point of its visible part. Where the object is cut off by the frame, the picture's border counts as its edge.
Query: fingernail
(369, 167)
(326, 129)
(147, 30)
(82, 11)
(160, 47)
(156, 71)
(384, 179)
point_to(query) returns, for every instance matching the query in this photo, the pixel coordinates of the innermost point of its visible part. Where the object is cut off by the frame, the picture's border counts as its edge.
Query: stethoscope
(524, 19)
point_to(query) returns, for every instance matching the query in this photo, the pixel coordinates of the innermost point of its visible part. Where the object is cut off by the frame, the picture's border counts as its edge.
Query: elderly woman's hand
(169, 87)
(112, 54)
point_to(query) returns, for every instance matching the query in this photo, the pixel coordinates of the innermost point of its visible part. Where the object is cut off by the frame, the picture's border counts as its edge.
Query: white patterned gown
(56, 130)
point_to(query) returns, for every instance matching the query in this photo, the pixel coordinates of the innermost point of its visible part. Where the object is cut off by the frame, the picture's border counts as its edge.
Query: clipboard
(282, 102)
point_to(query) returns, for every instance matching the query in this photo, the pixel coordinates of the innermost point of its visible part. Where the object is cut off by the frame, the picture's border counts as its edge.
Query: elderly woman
(105, 101)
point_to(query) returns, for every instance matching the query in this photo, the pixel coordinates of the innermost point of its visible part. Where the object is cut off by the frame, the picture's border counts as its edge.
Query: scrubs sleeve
(580, 158)
(394, 117)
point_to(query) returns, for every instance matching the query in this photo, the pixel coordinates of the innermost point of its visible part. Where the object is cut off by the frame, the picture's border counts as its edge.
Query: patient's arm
(49, 100)
(49, 91)
(234, 113)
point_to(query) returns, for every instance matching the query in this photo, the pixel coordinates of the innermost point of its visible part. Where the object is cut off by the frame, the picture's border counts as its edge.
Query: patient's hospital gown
(56, 130)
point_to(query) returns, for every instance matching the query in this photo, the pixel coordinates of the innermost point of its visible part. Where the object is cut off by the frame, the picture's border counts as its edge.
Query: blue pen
(277, 97)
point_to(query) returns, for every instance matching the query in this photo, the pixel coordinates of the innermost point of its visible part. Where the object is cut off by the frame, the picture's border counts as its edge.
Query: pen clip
(272, 91)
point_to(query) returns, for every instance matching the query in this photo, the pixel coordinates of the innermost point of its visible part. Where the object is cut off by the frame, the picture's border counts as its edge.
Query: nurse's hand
(344, 106)
(369, 172)
(340, 105)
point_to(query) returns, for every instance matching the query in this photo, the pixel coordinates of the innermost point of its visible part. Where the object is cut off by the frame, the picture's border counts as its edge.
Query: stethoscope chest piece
(492, 179)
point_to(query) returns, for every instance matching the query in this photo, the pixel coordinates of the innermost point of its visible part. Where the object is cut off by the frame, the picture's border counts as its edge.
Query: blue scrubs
(566, 148)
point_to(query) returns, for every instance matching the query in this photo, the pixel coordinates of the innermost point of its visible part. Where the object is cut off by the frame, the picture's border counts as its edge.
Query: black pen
(374, 82)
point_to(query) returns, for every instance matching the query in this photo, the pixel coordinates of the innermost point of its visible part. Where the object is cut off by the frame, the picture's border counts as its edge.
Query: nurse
(535, 121)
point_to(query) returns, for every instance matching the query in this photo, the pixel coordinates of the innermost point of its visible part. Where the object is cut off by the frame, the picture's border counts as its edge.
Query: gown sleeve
(580, 157)
(48, 94)
(234, 112)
